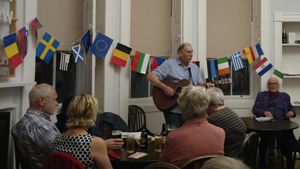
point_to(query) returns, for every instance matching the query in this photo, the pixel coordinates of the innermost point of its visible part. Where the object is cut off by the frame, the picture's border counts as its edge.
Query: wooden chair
(136, 118)
(248, 149)
(161, 165)
(197, 162)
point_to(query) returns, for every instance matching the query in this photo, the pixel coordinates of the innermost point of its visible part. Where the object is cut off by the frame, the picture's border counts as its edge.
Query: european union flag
(86, 41)
(101, 45)
(46, 47)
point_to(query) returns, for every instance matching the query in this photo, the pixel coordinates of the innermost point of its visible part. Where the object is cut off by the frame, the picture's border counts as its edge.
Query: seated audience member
(35, 132)
(224, 117)
(196, 136)
(61, 125)
(277, 105)
(223, 162)
(90, 150)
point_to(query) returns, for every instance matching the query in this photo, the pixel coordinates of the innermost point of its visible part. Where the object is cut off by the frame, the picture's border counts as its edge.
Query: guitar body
(164, 102)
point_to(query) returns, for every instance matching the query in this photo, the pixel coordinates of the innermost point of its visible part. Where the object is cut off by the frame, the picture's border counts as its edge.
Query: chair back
(136, 118)
(197, 162)
(161, 165)
(59, 160)
(248, 149)
(21, 160)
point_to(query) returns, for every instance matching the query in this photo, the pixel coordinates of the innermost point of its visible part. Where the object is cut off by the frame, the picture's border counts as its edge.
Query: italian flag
(140, 62)
(223, 66)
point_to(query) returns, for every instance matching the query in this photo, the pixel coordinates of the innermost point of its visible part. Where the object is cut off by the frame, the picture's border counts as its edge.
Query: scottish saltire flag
(279, 75)
(140, 62)
(236, 60)
(23, 42)
(223, 65)
(157, 61)
(35, 24)
(121, 55)
(64, 61)
(101, 45)
(77, 52)
(212, 69)
(11, 50)
(262, 66)
(258, 50)
(47, 47)
(249, 53)
(86, 41)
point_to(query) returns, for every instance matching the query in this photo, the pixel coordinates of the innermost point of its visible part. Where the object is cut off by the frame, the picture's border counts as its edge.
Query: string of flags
(15, 47)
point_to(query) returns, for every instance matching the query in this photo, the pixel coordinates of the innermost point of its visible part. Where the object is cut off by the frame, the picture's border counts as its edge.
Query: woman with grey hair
(223, 162)
(224, 117)
(196, 137)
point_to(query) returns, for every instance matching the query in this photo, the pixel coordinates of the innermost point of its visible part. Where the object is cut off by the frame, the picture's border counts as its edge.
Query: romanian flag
(249, 53)
(121, 55)
(140, 62)
(223, 66)
(47, 47)
(11, 50)
(23, 41)
(262, 66)
(157, 61)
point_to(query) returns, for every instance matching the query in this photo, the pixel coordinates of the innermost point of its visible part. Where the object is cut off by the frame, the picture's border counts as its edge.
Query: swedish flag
(47, 47)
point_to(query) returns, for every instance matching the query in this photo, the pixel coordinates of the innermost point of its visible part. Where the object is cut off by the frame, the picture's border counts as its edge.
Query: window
(141, 87)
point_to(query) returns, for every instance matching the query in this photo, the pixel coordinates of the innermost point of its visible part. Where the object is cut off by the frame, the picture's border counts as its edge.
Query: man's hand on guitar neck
(168, 91)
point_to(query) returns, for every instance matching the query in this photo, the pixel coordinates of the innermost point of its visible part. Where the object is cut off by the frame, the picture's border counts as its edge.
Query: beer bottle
(164, 133)
(144, 137)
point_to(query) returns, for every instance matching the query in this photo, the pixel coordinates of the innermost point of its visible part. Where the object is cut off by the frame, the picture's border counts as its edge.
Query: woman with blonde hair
(90, 150)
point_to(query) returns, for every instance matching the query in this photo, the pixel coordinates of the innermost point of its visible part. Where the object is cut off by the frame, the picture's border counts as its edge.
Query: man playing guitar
(174, 70)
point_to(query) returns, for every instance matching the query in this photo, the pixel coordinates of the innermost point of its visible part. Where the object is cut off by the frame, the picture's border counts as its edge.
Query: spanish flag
(121, 55)
(250, 54)
(11, 50)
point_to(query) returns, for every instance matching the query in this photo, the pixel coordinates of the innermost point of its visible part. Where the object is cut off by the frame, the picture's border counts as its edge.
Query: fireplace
(5, 116)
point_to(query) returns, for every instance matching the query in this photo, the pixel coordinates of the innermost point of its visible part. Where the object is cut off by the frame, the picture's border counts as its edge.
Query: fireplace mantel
(15, 84)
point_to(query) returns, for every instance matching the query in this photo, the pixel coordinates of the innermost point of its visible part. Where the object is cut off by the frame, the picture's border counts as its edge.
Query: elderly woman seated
(196, 137)
(90, 150)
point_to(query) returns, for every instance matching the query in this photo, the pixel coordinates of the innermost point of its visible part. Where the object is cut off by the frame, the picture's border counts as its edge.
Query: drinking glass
(116, 134)
(158, 141)
(130, 143)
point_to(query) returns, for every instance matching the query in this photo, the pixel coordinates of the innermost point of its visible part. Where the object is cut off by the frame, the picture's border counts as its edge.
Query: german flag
(121, 55)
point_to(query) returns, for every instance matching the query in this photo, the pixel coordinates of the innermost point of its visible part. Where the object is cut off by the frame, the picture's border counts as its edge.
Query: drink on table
(164, 133)
(116, 134)
(144, 137)
(158, 143)
(130, 143)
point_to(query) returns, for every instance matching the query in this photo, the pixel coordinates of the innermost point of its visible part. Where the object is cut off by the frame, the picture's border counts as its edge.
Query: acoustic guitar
(164, 102)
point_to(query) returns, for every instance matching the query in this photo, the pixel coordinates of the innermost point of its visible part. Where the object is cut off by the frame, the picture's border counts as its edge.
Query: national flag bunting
(140, 62)
(101, 45)
(157, 61)
(64, 61)
(223, 66)
(86, 41)
(212, 68)
(262, 66)
(77, 52)
(47, 47)
(249, 53)
(35, 24)
(236, 60)
(121, 55)
(11, 50)
(258, 50)
(23, 41)
(279, 75)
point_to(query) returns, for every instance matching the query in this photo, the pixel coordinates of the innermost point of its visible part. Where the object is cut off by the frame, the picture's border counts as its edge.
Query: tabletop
(274, 125)
(127, 162)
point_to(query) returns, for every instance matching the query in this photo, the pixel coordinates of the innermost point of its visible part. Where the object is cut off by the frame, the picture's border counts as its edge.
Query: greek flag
(236, 59)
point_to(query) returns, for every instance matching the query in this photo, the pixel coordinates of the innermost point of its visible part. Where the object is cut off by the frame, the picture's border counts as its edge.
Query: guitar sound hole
(178, 90)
